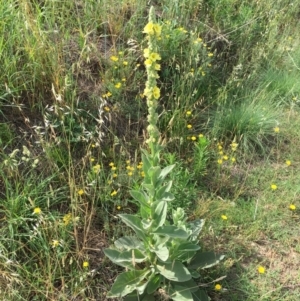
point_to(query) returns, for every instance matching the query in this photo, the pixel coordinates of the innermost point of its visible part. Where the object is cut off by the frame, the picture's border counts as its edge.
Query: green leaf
(172, 231)
(134, 223)
(159, 213)
(205, 260)
(113, 255)
(196, 227)
(180, 293)
(190, 284)
(154, 284)
(126, 283)
(200, 295)
(128, 242)
(166, 171)
(162, 252)
(148, 298)
(195, 274)
(185, 251)
(162, 190)
(154, 173)
(141, 197)
(174, 271)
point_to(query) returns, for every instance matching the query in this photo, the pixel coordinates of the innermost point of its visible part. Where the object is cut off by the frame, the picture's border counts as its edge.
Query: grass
(69, 108)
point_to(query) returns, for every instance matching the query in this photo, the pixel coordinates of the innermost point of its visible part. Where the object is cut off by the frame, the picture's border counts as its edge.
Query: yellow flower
(55, 243)
(157, 29)
(154, 56)
(125, 63)
(288, 162)
(261, 269)
(37, 210)
(80, 191)
(273, 186)
(142, 174)
(189, 126)
(123, 79)
(201, 135)
(114, 193)
(220, 147)
(292, 207)
(146, 52)
(148, 62)
(119, 207)
(118, 85)
(85, 264)
(108, 94)
(107, 109)
(157, 67)
(234, 146)
(188, 113)
(220, 161)
(114, 175)
(113, 168)
(210, 54)
(114, 58)
(67, 218)
(130, 174)
(156, 92)
(193, 138)
(225, 157)
(96, 168)
(111, 164)
(218, 287)
(276, 129)
(148, 29)
(233, 160)
(224, 217)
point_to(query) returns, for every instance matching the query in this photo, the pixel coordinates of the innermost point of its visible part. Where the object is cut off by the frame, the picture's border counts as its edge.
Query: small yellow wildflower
(148, 62)
(55, 243)
(220, 147)
(113, 168)
(92, 159)
(261, 269)
(80, 191)
(225, 157)
(37, 210)
(85, 264)
(221, 153)
(114, 58)
(154, 56)
(114, 193)
(210, 54)
(201, 135)
(139, 166)
(121, 52)
(273, 186)
(157, 67)
(224, 217)
(107, 109)
(189, 126)
(93, 145)
(193, 138)
(125, 63)
(123, 79)
(118, 85)
(276, 129)
(233, 159)
(220, 161)
(292, 207)
(156, 92)
(148, 29)
(96, 168)
(218, 287)
(111, 164)
(67, 218)
(142, 174)
(146, 52)
(108, 94)
(234, 146)
(119, 207)
(130, 173)
(288, 162)
(188, 113)
(114, 175)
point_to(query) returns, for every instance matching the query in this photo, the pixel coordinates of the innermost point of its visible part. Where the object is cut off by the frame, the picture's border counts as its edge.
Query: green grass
(234, 67)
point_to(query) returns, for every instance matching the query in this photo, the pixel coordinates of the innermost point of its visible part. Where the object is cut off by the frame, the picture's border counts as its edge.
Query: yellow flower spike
(80, 192)
(37, 210)
(224, 217)
(288, 162)
(149, 28)
(292, 207)
(261, 269)
(218, 287)
(276, 129)
(189, 126)
(114, 58)
(146, 52)
(273, 186)
(148, 62)
(85, 264)
(157, 67)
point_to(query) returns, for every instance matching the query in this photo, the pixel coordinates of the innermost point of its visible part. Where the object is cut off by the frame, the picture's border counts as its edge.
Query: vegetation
(73, 122)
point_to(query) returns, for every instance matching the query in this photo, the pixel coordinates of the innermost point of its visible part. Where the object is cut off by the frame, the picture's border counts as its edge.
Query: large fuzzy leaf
(174, 271)
(204, 260)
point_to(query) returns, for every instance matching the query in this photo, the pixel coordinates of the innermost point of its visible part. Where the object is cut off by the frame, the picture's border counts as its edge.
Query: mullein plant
(163, 257)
